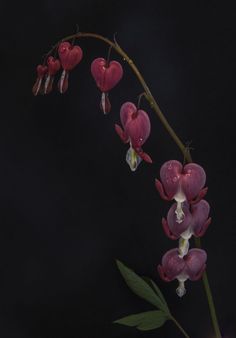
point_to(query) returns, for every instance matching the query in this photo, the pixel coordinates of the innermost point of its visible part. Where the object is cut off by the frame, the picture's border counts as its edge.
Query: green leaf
(144, 321)
(157, 291)
(141, 288)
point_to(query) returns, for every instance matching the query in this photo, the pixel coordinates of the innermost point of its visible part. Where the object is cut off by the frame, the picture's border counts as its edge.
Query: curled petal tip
(200, 196)
(121, 133)
(162, 273)
(167, 229)
(204, 228)
(199, 274)
(160, 189)
(143, 155)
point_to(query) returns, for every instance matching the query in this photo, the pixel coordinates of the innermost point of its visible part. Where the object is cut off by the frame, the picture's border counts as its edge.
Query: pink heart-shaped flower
(106, 75)
(69, 55)
(138, 128)
(187, 181)
(41, 70)
(53, 65)
(195, 263)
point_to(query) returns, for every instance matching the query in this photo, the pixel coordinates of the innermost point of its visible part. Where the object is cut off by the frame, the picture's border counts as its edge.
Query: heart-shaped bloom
(106, 75)
(195, 223)
(181, 184)
(69, 56)
(136, 130)
(41, 72)
(53, 67)
(190, 267)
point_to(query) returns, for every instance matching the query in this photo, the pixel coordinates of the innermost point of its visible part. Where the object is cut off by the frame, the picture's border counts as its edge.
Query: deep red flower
(181, 184)
(195, 222)
(41, 72)
(53, 67)
(69, 56)
(190, 267)
(136, 130)
(106, 75)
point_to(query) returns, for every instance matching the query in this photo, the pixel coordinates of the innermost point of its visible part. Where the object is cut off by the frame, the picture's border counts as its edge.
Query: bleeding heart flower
(41, 72)
(106, 75)
(53, 67)
(181, 184)
(195, 223)
(69, 56)
(136, 131)
(190, 267)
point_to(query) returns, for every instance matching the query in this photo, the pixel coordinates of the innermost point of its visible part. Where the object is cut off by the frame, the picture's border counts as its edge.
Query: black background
(69, 203)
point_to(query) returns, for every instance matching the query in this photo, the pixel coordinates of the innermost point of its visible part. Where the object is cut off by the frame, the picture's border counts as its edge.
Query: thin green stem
(180, 327)
(185, 150)
(209, 297)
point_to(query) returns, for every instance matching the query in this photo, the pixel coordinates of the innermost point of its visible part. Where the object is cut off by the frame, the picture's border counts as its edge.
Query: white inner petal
(181, 289)
(183, 247)
(132, 158)
(46, 83)
(62, 80)
(38, 87)
(187, 234)
(180, 198)
(103, 102)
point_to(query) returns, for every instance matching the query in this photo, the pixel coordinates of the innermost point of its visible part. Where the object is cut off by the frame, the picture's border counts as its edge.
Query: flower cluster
(187, 217)
(69, 57)
(107, 74)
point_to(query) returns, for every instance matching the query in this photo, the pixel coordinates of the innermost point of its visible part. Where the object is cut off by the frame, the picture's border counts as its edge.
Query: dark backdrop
(69, 203)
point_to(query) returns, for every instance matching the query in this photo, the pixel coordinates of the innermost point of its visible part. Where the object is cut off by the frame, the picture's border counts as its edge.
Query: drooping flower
(106, 75)
(53, 67)
(69, 56)
(136, 130)
(195, 223)
(190, 267)
(41, 72)
(181, 184)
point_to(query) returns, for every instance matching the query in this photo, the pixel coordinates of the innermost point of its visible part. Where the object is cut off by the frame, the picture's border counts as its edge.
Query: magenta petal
(200, 213)
(178, 228)
(160, 189)
(121, 133)
(144, 156)
(192, 180)
(162, 274)
(201, 195)
(170, 174)
(195, 261)
(166, 229)
(199, 274)
(138, 128)
(172, 264)
(204, 228)
(69, 55)
(126, 111)
(106, 76)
